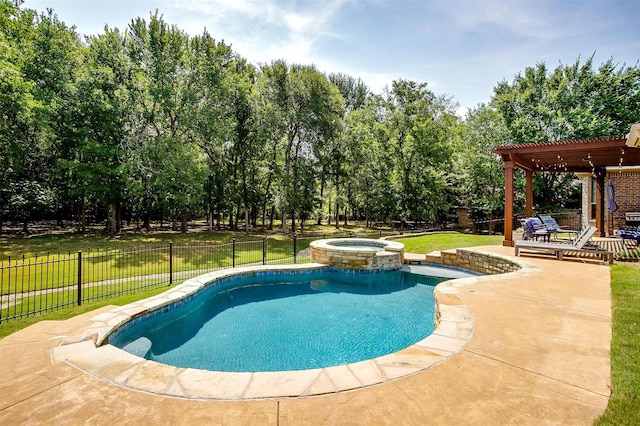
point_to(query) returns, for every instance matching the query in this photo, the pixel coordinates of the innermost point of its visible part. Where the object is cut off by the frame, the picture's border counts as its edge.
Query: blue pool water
(312, 320)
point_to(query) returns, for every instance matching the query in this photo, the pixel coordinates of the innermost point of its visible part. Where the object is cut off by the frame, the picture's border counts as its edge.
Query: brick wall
(627, 192)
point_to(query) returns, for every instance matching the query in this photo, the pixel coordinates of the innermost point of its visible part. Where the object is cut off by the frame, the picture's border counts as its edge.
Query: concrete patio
(539, 354)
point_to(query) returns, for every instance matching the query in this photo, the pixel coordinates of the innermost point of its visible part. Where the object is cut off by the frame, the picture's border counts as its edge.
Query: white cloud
(531, 19)
(277, 30)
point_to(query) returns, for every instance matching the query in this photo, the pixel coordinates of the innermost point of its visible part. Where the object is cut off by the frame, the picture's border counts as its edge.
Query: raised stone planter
(358, 253)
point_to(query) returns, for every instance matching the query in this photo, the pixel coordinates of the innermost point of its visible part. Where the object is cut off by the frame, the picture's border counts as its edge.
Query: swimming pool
(90, 350)
(312, 319)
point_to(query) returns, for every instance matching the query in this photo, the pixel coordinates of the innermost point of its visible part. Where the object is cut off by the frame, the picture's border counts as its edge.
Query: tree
(334, 159)
(367, 165)
(570, 102)
(38, 82)
(480, 174)
(308, 111)
(417, 128)
(22, 113)
(163, 76)
(92, 158)
(210, 120)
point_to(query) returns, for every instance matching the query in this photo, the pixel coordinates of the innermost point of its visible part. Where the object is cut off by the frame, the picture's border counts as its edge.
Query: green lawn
(624, 404)
(16, 247)
(445, 241)
(9, 327)
(130, 260)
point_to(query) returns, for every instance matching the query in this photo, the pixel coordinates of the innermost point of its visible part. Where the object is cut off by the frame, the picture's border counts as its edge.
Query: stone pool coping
(453, 332)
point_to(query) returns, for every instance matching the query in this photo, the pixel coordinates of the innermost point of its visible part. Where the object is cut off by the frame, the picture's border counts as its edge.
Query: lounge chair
(553, 226)
(577, 247)
(534, 228)
(631, 233)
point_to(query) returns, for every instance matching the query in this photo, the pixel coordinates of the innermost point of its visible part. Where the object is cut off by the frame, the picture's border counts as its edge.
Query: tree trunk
(83, 216)
(345, 215)
(183, 217)
(237, 220)
(210, 220)
(246, 220)
(272, 217)
(25, 227)
(118, 217)
(321, 202)
(283, 227)
(111, 221)
(146, 224)
(254, 215)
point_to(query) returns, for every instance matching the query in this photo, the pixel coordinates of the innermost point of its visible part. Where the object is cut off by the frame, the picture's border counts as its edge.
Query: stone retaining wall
(473, 260)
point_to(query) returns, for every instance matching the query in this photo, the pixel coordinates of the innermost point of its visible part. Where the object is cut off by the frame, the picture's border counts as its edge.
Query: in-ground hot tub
(358, 253)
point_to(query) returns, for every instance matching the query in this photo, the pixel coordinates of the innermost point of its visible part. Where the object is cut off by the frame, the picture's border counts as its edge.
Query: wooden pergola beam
(577, 156)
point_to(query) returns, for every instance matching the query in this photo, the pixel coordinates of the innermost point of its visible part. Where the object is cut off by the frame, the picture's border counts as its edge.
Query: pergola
(577, 156)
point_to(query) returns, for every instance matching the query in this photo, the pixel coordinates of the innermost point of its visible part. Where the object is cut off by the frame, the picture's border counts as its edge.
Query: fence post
(170, 262)
(264, 250)
(233, 253)
(79, 277)
(295, 247)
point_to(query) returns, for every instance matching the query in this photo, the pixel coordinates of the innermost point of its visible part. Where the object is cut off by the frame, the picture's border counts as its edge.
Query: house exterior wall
(627, 196)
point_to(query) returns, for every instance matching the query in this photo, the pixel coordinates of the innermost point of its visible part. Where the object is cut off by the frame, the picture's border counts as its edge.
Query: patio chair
(578, 247)
(553, 226)
(631, 233)
(534, 228)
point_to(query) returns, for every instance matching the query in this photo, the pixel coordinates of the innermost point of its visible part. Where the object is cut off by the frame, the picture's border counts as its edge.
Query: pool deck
(539, 354)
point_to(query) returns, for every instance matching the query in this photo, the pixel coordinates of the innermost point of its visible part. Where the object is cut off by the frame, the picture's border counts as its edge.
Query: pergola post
(529, 193)
(508, 204)
(600, 175)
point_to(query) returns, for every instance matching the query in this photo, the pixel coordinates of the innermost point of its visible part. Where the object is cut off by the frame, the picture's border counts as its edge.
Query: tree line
(151, 123)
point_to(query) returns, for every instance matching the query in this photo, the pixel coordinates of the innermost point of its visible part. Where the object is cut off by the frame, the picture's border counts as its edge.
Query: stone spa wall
(358, 254)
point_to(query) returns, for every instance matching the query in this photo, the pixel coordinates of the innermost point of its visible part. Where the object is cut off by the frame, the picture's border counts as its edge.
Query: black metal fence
(38, 284)
(30, 286)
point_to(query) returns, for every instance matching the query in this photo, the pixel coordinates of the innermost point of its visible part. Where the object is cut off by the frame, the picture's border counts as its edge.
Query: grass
(29, 246)
(624, 404)
(10, 327)
(101, 263)
(445, 241)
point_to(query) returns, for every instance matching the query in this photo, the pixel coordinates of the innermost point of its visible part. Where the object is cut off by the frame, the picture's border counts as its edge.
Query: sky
(460, 48)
